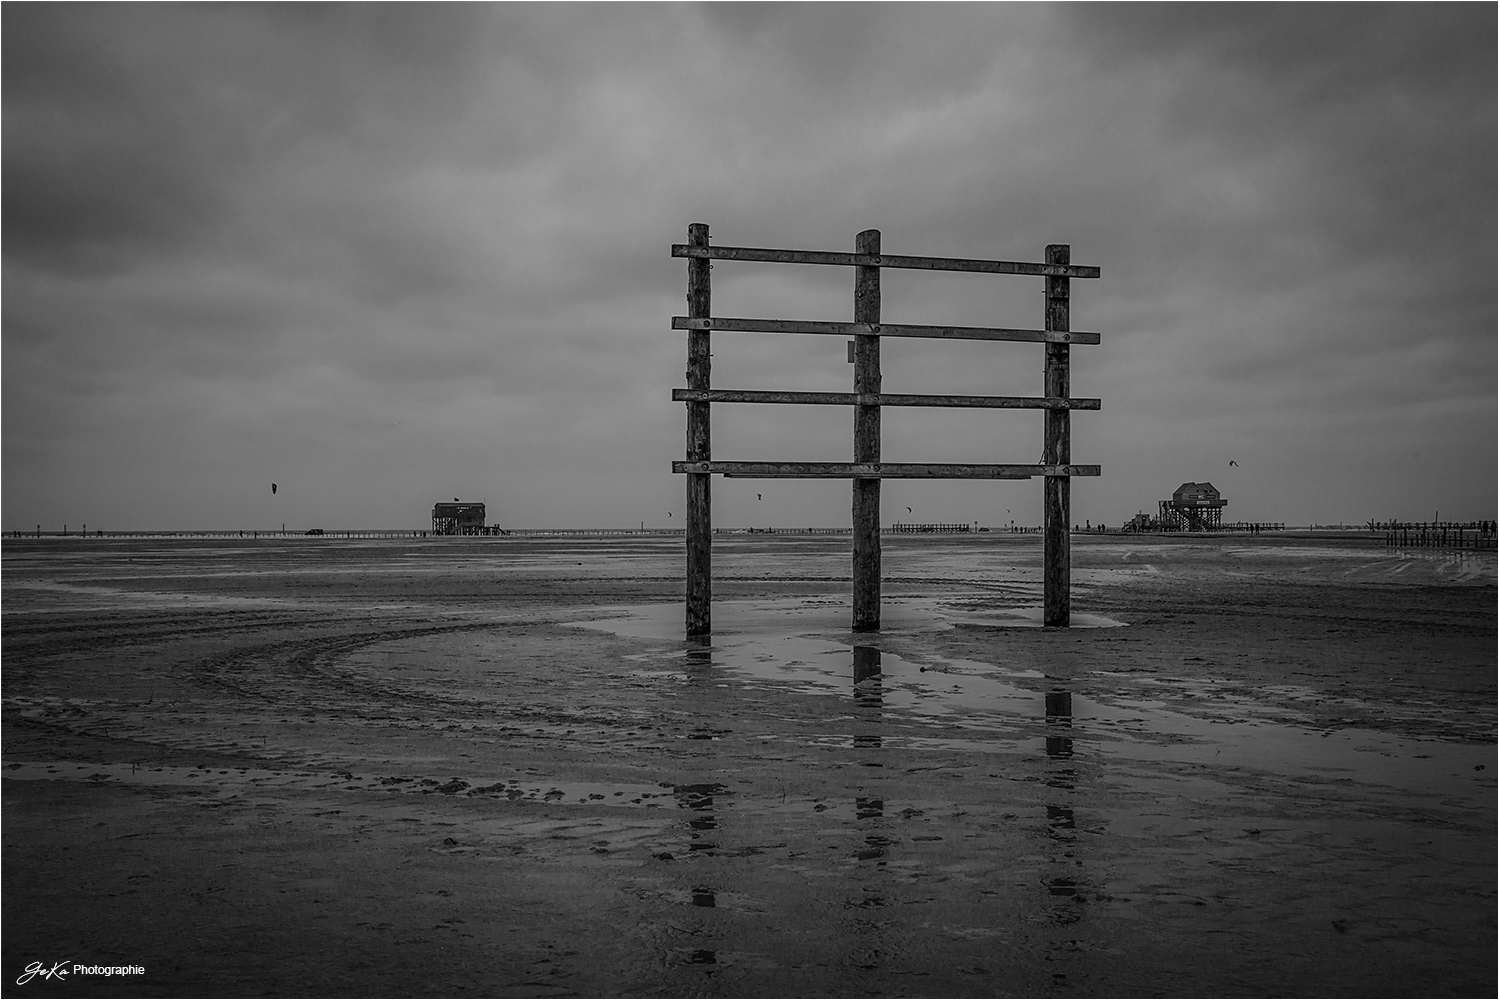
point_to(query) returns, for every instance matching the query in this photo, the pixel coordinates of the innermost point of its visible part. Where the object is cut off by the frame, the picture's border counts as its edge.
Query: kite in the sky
(273, 488)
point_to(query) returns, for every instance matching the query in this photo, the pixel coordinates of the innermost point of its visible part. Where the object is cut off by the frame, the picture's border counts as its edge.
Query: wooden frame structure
(866, 471)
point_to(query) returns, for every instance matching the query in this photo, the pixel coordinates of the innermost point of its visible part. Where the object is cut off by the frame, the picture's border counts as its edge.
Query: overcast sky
(394, 255)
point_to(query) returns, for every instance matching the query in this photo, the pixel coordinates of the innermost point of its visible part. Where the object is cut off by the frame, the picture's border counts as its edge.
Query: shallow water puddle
(775, 620)
(807, 649)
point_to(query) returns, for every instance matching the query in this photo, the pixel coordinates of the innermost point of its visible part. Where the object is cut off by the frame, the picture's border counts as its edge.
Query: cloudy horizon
(387, 256)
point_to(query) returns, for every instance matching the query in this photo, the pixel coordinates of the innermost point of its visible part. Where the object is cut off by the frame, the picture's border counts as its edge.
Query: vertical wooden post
(867, 439)
(1057, 450)
(699, 523)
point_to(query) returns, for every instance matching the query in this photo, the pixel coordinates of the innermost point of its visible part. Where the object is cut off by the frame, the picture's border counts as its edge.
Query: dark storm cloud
(435, 238)
(1387, 110)
(1396, 106)
(128, 129)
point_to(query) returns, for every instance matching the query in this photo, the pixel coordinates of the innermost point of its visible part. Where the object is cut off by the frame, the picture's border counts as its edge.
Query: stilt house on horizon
(1194, 507)
(458, 518)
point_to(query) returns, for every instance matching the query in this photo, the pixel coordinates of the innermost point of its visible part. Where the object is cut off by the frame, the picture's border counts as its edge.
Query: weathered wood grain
(885, 470)
(840, 329)
(881, 399)
(1056, 451)
(699, 519)
(866, 490)
(857, 259)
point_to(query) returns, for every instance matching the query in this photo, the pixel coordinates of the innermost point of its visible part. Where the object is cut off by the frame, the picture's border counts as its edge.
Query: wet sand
(1261, 766)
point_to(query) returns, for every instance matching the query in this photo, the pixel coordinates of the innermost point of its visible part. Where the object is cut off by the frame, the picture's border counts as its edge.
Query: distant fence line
(527, 533)
(1439, 534)
(1431, 535)
(1157, 527)
(898, 528)
(530, 533)
(329, 533)
(386, 533)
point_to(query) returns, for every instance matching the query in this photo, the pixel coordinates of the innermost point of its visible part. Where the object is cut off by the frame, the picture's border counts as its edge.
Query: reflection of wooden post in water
(700, 799)
(700, 652)
(1061, 825)
(1059, 709)
(867, 693)
(866, 663)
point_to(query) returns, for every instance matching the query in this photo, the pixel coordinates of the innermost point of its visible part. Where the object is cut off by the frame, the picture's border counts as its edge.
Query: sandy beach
(1258, 765)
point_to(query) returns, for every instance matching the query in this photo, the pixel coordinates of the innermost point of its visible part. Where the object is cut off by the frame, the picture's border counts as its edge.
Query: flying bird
(908, 510)
(1233, 463)
(757, 496)
(457, 501)
(273, 488)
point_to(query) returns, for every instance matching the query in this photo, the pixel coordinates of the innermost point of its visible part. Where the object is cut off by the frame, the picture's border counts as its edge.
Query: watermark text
(60, 971)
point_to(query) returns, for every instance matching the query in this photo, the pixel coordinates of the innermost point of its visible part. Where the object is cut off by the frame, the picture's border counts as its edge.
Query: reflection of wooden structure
(1194, 507)
(867, 469)
(458, 519)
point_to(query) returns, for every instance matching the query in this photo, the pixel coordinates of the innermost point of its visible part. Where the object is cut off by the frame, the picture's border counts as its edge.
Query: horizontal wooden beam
(883, 261)
(881, 399)
(881, 470)
(882, 330)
